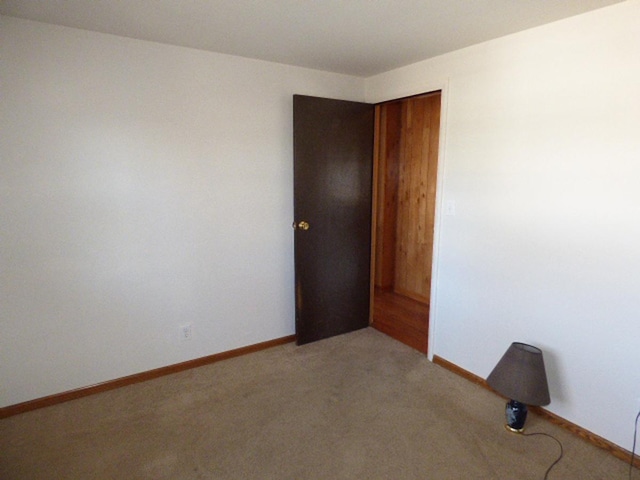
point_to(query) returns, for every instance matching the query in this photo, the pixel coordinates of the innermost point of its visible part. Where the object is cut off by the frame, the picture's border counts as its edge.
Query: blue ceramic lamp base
(516, 413)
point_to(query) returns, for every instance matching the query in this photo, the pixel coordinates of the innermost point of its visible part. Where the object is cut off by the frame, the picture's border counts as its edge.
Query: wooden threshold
(583, 433)
(138, 377)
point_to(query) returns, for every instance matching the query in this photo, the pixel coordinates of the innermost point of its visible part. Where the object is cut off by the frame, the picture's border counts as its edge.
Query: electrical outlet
(185, 332)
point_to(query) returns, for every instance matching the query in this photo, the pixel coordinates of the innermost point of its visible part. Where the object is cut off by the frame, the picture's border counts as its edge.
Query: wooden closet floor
(400, 317)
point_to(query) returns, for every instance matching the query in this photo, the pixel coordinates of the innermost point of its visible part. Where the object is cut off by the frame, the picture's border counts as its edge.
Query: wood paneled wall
(387, 201)
(407, 163)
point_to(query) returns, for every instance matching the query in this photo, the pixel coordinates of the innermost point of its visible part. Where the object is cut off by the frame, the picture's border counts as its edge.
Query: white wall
(142, 186)
(542, 159)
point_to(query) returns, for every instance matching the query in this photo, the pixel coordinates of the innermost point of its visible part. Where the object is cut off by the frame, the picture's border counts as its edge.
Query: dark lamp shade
(520, 375)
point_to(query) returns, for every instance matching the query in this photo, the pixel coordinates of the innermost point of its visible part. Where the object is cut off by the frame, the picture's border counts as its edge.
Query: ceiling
(355, 37)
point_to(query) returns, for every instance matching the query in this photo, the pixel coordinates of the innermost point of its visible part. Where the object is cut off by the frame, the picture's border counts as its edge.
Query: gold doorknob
(302, 225)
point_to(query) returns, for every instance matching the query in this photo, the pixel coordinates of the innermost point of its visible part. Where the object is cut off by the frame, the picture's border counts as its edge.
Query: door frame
(439, 203)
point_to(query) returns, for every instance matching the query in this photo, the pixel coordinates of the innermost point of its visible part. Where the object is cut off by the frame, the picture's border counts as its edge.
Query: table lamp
(521, 377)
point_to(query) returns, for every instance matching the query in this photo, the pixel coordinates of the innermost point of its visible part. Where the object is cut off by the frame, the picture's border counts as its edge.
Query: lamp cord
(631, 461)
(633, 449)
(546, 474)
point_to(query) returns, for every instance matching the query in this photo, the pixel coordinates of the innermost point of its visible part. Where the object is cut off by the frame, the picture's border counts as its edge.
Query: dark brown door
(333, 164)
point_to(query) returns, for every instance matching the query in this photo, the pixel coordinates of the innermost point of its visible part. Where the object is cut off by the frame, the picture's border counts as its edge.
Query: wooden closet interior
(406, 164)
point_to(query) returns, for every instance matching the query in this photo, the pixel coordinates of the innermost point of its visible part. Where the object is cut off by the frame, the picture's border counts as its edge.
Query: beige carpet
(358, 406)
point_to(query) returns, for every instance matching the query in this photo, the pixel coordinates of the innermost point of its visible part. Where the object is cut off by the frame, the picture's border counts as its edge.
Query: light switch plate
(450, 208)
